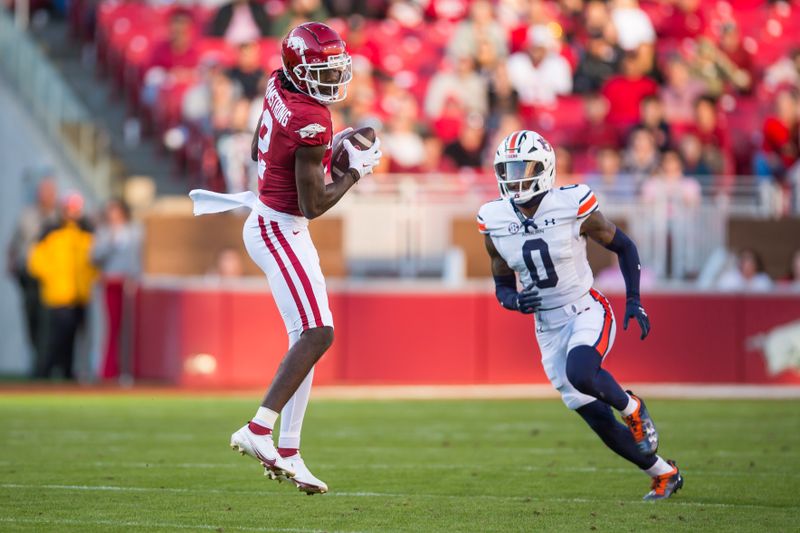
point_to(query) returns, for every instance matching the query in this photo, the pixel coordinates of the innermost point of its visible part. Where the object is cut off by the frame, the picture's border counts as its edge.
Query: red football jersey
(289, 120)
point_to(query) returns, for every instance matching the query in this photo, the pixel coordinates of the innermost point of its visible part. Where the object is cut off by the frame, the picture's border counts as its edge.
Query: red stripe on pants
(301, 273)
(284, 271)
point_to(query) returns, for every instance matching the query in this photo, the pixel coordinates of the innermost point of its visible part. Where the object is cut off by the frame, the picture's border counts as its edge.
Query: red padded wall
(448, 338)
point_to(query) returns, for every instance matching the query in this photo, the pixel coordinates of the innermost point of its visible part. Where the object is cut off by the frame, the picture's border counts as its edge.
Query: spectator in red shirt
(178, 52)
(359, 42)
(781, 146)
(598, 133)
(685, 21)
(625, 92)
(174, 59)
(450, 121)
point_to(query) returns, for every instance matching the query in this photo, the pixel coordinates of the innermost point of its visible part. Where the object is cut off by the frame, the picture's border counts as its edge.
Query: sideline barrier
(223, 337)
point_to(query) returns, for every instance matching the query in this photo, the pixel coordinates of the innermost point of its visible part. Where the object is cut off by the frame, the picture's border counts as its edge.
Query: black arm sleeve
(505, 288)
(629, 264)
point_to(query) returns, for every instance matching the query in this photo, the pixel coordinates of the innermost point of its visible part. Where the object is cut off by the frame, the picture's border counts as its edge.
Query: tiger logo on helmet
(525, 166)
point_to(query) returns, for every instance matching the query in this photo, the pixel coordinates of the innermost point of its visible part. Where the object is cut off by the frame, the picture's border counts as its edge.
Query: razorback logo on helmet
(297, 44)
(310, 131)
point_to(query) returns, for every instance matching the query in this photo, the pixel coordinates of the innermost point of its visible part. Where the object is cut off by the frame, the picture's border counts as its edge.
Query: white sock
(660, 468)
(265, 417)
(293, 413)
(631, 407)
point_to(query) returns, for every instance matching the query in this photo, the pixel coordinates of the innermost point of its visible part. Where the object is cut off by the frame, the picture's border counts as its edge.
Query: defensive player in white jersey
(538, 233)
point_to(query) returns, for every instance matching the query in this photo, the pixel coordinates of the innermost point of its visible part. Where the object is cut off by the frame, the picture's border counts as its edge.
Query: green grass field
(139, 462)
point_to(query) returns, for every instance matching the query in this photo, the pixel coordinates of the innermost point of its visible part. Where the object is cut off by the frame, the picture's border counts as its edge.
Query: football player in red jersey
(293, 145)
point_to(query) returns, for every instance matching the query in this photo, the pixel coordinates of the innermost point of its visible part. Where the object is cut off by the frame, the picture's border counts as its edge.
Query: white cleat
(262, 449)
(303, 479)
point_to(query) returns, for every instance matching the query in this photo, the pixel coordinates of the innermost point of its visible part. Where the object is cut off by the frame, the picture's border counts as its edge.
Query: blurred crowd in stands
(691, 91)
(643, 98)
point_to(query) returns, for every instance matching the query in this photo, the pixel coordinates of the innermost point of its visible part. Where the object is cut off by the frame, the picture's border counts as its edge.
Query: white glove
(338, 137)
(363, 161)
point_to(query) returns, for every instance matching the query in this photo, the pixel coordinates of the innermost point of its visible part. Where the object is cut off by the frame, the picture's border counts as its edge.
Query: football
(361, 138)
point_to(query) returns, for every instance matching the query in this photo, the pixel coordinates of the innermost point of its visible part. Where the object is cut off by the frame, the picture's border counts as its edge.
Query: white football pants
(588, 321)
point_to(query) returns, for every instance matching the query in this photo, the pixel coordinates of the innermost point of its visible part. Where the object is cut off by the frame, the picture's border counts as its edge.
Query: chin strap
(525, 221)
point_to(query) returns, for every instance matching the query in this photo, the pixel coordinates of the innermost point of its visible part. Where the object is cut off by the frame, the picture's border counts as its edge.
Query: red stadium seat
(744, 124)
(270, 53)
(218, 50)
(558, 122)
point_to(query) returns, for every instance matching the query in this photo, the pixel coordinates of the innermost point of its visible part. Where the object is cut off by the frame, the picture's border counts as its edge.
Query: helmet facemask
(520, 181)
(326, 82)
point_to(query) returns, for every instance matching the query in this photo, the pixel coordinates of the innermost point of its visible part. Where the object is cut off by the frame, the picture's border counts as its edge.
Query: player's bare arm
(505, 283)
(605, 232)
(314, 196)
(254, 142)
(599, 228)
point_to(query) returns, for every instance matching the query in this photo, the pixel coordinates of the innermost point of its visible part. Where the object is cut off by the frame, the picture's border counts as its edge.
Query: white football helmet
(525, 166)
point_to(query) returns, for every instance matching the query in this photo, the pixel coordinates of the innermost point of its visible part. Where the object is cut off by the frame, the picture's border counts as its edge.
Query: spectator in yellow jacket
(61, 261)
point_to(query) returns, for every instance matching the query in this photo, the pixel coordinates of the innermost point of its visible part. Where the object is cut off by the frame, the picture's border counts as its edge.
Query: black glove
(528, 300)
(634, 309)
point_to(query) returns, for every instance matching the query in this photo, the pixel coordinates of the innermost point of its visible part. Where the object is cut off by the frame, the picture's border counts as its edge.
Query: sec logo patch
(513, 228)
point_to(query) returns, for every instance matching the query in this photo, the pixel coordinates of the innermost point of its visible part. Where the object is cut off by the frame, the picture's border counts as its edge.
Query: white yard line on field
(492, 497)
(450, 466)
(162, 525)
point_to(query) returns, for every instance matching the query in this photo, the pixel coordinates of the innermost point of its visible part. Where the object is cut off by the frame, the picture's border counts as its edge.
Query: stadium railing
(62, 116)
(416, 214)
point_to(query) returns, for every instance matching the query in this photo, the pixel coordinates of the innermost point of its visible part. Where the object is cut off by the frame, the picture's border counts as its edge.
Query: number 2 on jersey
(265, 135)
(535, 252)
(264, 138)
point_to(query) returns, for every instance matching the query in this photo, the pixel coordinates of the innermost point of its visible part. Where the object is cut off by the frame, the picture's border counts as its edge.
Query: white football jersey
(548, 250)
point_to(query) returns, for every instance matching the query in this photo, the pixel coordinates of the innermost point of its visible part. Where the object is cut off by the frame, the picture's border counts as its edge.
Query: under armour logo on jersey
(310, 131)
(547, 222)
